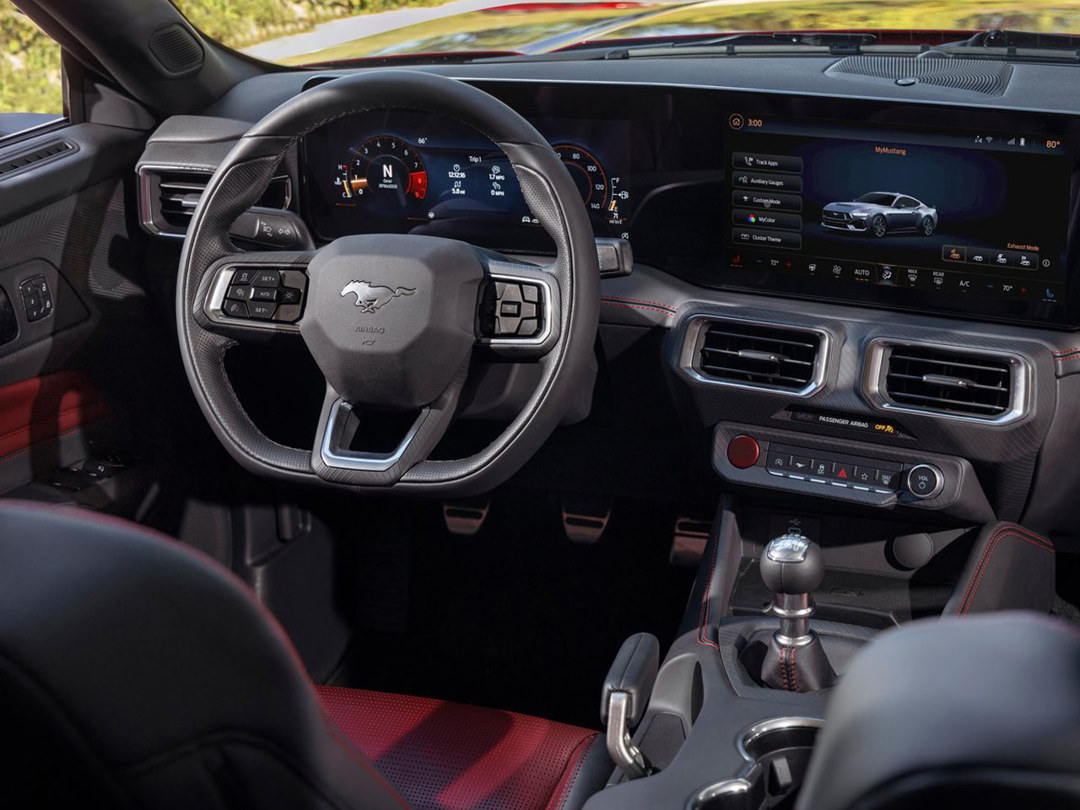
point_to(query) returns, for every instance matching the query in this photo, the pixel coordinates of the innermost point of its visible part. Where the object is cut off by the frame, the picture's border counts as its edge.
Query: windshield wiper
(837, 42)
(998, 42)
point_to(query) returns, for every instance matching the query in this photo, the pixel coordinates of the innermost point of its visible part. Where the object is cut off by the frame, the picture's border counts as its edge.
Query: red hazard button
(743, 452)
(844, 472)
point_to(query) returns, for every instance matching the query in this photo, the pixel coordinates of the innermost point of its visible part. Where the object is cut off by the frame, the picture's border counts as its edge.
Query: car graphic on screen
(880, 213)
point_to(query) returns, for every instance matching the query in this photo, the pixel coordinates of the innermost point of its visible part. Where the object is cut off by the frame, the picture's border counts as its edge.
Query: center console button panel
(834, 468)
(818, 466)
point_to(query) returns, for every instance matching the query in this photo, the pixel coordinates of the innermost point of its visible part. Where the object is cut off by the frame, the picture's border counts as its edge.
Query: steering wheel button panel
(245, 295)
(511, 308)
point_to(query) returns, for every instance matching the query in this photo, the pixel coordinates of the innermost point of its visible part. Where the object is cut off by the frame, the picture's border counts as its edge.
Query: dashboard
(831, 199)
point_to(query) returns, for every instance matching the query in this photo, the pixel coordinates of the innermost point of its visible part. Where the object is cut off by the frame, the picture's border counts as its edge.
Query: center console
(782, 605)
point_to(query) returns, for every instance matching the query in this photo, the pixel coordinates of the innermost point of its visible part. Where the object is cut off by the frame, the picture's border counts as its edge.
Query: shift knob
(792, 564)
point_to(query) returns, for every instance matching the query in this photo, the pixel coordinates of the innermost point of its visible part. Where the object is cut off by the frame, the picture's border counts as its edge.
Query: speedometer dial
(386, 169)
(589, 176)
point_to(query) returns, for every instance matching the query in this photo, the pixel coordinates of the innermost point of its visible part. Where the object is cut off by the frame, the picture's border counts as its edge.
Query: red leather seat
(136, 672)
(447, 756)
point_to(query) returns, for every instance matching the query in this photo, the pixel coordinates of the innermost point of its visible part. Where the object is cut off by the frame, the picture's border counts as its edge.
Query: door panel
(81, 377)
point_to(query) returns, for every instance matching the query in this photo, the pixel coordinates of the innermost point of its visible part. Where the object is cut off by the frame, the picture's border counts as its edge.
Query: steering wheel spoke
(518, 316)
(335, 455)
(246, 293)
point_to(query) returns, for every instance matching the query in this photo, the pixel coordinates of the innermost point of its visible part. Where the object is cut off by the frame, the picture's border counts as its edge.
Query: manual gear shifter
(792, 567)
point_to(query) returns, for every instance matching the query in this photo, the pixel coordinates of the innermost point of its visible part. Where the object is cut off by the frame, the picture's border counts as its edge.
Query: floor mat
(517, 617)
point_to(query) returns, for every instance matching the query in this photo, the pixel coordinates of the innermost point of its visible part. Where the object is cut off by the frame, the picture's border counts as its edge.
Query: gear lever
(792, 567)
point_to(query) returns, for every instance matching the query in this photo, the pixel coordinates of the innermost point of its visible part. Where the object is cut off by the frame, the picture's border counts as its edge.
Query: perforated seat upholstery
(447, 756)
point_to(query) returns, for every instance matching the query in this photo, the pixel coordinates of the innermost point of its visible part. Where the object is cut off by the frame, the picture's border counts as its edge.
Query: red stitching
(25, 450)
(703, 616)
(1009, 530)
(32, 425)
(637, 301)
(1059, 354)
(783, 670)
(1014, 530)
(577, 769)
(667, 312)
(794, 672)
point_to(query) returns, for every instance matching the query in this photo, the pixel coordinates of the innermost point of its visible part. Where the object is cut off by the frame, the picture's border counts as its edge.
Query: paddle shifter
(792, 568)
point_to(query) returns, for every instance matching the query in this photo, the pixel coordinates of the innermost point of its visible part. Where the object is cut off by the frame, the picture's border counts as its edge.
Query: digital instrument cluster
(405, 172)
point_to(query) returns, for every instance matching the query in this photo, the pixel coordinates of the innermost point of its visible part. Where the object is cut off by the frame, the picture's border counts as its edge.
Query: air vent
(984, 76)
(170, 197)
(177, 197)
(176, 49)
(756, 355)
(954, 382)
(34, 157)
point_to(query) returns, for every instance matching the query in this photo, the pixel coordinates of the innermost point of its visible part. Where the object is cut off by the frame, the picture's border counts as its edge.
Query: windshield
(877, 198)
(301, 32)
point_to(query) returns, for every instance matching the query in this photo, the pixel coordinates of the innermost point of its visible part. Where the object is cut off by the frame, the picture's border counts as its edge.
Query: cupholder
(777, 754)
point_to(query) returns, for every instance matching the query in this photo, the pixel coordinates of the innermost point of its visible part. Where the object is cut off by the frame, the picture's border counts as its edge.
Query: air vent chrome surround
(168, 197)
(806, 376)
(881, 352)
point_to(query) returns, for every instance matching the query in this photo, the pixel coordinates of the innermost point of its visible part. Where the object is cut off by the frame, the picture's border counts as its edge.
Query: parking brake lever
(627, 689)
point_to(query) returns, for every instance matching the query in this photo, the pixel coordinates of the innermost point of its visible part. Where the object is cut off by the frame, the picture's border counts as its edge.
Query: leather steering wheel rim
(238, 183)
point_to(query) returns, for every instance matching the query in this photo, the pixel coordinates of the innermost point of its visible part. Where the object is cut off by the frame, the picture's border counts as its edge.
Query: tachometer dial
(590, 178)
(386, 169)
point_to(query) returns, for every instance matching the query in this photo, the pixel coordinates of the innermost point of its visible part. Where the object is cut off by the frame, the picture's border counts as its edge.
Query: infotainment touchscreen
(921, 215)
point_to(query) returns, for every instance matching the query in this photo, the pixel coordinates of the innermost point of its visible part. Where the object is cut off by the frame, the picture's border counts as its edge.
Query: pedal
(688, 543)
(466, 517)
(584, 518)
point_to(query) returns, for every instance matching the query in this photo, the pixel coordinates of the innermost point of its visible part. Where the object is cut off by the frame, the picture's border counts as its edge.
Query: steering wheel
(392, 320)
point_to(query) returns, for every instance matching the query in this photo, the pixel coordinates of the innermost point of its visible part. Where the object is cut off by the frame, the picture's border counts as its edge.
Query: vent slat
(1000, 388)
(179, 192)
(910, 380)
(759, 355)
(951, 363)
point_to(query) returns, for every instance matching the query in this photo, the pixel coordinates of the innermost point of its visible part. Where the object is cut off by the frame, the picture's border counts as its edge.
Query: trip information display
(973, 221)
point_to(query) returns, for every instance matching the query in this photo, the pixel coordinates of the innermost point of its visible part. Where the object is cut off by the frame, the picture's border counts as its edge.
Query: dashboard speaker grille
(989, 77)
(958, 383)
(759, 355)
(176, 49)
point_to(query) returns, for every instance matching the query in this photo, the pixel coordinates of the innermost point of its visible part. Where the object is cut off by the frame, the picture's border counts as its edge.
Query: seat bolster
(997, 693)
(134, 658)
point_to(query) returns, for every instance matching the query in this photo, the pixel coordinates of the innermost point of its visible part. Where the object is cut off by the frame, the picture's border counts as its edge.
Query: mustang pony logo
(372, 297)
